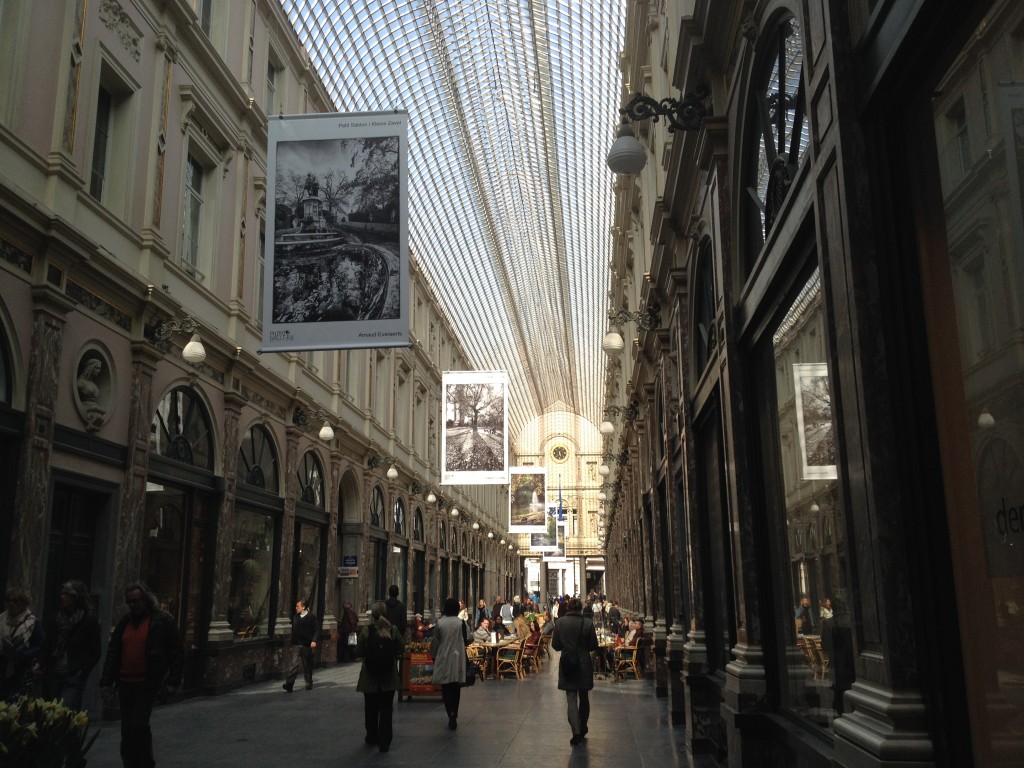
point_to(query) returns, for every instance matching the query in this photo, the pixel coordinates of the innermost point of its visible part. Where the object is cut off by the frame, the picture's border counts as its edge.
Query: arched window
(311, 480)
(257, 460)
(400, 518)
(442, 539)
(780, 129)
(180, 429)
(705, 338)
(377, 508)
(417, 525)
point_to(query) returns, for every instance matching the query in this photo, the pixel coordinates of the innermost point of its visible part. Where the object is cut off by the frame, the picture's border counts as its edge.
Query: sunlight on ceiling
(512, 107)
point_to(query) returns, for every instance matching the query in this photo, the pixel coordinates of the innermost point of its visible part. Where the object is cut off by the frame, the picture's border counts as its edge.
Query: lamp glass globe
(194, 351)
(613, 343)
(607, 428)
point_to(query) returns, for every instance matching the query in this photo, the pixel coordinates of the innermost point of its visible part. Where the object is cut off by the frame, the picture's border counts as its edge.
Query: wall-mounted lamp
(301, 418)
(627, 155)
(510, 547)
(648, 319)
(502, 541)
(604, 470)
(630, 412)
(601, 496)
(613, 344)
(194, 352)
(985, 419)
(431, 498)
(606, 428)
(375, 461)
(490, 534)
(454, 512)
(476, 526)
(815, 508)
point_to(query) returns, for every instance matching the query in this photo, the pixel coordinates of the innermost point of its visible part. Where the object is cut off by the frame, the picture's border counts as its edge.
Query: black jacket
(165, 654)
(396, 614)
(304, 629)
(82, 646)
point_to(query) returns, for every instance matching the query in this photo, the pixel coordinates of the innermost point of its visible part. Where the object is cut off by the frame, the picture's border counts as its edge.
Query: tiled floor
(510, 723)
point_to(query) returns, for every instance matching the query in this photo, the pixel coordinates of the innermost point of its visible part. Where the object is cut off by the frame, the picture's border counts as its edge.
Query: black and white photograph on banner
(558, 552)
(474, 443)
(526, 494)
(337, 254)
(814, 421)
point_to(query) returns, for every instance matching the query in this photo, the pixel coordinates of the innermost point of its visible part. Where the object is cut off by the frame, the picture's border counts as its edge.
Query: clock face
(560, 453)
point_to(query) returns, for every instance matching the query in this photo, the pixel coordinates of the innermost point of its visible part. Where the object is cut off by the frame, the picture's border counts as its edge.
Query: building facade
(819, 503)
(133, 182)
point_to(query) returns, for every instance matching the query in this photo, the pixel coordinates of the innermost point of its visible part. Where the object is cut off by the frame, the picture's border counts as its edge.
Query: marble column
(28, 533)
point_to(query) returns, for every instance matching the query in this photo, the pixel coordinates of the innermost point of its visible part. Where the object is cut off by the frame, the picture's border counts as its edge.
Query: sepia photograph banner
(336, 253)
(474, 443)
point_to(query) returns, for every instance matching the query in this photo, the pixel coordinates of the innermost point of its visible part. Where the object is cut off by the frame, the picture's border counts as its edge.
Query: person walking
(72, 646)
(575, 637)
(396, 611)
(379, 646)
(304, 629)
(448, 649)
(21, 643)
(347, 630)
(145, 656)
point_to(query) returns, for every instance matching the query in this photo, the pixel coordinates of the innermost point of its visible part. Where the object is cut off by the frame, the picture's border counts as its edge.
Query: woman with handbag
(448, 648)
(575, 637)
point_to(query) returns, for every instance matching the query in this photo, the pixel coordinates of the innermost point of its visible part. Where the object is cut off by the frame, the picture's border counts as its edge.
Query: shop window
(308, 560)
(817, 633)
(705, 338)
(181, 431)
(977, 369)
(257, 460)
(779, 127)
(253, 544)
(399, 517)
(377, 508)
(311, 480)
(417, 525)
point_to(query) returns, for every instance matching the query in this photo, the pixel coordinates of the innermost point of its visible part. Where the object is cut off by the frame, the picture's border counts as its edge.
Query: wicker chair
(627, 660)
(478, 655)
(510, 659)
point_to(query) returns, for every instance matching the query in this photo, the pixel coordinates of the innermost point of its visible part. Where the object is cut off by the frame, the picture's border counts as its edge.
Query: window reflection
(819, 634)
(252, 547)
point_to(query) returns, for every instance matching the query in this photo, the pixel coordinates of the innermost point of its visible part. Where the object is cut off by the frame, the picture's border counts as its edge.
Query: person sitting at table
(483, 632)
(534, 637)
(498, 627)
(547, 625)
(521, 627)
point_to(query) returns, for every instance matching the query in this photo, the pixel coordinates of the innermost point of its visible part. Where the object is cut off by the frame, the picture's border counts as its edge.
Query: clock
(560, 454)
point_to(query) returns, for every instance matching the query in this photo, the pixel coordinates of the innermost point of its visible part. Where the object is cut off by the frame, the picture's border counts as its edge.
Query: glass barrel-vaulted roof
(512, 107)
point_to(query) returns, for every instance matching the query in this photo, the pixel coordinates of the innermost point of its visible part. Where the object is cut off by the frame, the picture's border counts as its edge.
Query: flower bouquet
(35, 733)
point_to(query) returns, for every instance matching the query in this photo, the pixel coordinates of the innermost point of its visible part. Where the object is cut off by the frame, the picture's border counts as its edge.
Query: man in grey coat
(575, 637)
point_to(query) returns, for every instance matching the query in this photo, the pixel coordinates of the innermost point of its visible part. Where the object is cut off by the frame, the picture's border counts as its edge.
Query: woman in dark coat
(448, 648)
(379, 690)
(72, 646)
(576, 638)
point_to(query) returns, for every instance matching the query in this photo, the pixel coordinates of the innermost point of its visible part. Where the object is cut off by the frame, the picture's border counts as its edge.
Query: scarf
(66, 621)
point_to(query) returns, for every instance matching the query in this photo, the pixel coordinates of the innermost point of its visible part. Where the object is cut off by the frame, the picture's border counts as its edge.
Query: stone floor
(510, 723)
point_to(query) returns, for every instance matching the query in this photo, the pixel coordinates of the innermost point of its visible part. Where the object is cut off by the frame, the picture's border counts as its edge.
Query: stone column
(28, 534)
(220, 630)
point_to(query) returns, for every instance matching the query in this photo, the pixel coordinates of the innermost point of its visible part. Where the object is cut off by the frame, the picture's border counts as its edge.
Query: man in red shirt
(145, 655)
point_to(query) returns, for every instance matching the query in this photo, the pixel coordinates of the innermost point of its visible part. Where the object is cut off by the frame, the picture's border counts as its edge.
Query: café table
(492, 654)
(604, 647)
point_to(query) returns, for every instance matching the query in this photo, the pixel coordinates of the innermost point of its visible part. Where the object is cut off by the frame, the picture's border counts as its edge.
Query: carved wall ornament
(93, 386)
(117, 21)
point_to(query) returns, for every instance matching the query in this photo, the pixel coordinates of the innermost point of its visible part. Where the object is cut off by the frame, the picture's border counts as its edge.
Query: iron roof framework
(513, 105)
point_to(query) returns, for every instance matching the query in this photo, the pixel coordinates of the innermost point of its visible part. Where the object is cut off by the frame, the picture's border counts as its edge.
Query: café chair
(510, 659)
(627, 660)
(478, 655)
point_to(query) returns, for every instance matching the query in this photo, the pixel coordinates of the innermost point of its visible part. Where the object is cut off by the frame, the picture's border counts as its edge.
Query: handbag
(471, 673)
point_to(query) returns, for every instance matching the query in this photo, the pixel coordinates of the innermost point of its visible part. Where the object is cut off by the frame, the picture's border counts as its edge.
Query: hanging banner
(526, 494)
(337, 245)
(474, 443)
